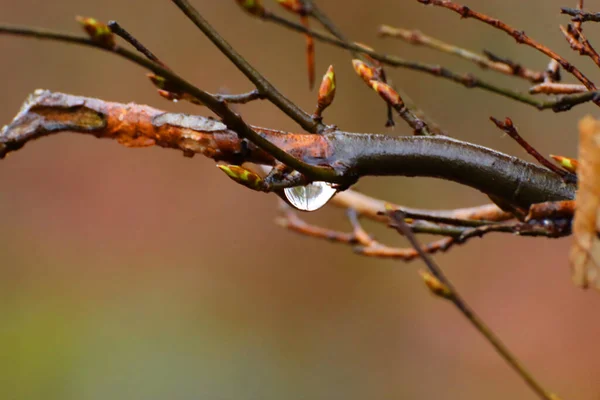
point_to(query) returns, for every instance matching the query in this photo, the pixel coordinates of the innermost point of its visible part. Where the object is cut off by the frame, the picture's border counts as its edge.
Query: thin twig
(373, 208)
(580, 15)
(420, 39)
(547, 220)
(557, 88)
(262, 84)
(467, 80)
(219, 107)
(362, 243)
(579, 43)
(509, 128)
(315, 11)
(242, 98)
(118, 30)
(578, 24)
(549, 228)
(453, 295)
(519, 36)
(395, 101)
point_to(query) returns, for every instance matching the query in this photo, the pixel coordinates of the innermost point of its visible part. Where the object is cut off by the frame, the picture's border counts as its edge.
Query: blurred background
(141, 274)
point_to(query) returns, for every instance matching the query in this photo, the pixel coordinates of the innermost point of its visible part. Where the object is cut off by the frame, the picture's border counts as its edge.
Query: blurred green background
(140, 274)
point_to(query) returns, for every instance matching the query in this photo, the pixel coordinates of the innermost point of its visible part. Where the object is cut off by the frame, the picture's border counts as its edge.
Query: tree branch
(440, 285)
(262, 84)
(417, 38)
(467, 80)
(374, 208)
(580, 15)
(218, 106)
(351, 155)
(519, 36)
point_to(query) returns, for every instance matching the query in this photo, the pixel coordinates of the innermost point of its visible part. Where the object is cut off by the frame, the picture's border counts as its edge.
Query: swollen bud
(364, 71)
(435, 285)
(569, 164)
(387, 93)
(326, 91)
(254, 7)
(158, 81)
(243, 176)
(99, 32)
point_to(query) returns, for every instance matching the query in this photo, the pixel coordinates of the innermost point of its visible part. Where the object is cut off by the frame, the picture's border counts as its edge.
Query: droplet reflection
(310, 197)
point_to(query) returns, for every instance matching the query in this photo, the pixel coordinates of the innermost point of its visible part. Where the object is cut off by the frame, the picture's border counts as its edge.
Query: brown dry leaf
(585, 252)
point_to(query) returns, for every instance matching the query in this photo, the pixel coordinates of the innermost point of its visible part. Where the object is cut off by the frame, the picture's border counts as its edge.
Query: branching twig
(262, 84)
(328, 24)
(361, 242)
(467, 80)
(373, 208)
(417, 38)
(519, 36)
(540, 200)
(579, 43)
(449, 292)
(578, 24)
(546, 220)
(219, 107)
(580, 15)
(509, 128)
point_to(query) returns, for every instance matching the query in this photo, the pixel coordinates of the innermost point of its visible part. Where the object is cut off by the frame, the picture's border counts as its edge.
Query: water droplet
(310, 197)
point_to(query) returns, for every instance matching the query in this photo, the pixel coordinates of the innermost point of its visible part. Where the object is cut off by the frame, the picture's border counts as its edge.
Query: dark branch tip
(464, 11)
(520, 36)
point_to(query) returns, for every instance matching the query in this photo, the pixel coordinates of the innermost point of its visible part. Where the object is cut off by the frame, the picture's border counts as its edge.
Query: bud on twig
(569, 164)
(387, 93)
(242, 176)
(364, 71)
(326, 92)
(435, 285)
(170, 92)
(295, 6)
(375, 78)
(99, 32)
(253, 7)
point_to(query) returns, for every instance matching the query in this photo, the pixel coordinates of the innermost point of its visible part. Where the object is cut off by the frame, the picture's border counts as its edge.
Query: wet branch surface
(353, 155)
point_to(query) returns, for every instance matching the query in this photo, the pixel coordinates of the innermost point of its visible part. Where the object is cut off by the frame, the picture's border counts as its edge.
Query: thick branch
(351, 155)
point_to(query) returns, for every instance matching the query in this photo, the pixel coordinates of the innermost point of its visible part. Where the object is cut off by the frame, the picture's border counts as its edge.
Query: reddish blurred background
(140, 274)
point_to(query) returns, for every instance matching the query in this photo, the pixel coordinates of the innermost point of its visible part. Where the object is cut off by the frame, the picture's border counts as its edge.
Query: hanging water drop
(310, 197)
